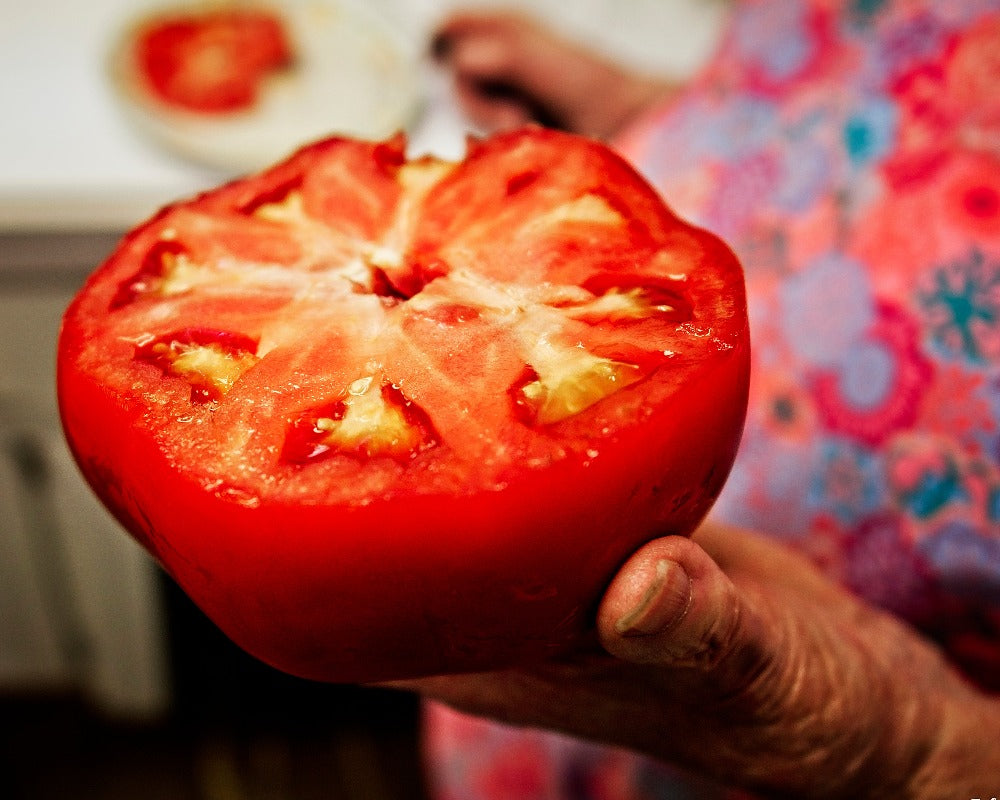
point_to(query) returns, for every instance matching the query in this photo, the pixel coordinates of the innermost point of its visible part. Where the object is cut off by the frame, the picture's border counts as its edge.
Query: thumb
(672, 605)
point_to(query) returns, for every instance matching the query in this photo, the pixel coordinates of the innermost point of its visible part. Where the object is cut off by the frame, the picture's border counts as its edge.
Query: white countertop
(70, 160)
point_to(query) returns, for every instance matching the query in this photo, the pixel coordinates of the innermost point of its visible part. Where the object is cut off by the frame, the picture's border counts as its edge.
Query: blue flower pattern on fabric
(870, 130)
(848, 481)
(831, 164)
(963, 302)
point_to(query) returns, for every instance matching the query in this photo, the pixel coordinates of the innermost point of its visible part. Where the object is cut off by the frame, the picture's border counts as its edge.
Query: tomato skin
(433, 584)
(421, 580)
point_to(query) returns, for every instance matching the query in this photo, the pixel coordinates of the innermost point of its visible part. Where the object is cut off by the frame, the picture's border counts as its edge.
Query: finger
(671, 605)
(482, 44)
(504, 55)
(482, 57)
(481, 23)
(740, 552)
(490, 110)
(481, 61)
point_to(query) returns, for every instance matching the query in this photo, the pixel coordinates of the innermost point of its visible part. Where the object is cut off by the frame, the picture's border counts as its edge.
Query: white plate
(354, 75)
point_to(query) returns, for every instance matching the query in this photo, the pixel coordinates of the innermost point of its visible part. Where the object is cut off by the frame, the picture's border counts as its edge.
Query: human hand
(509, 70)
(733, 657)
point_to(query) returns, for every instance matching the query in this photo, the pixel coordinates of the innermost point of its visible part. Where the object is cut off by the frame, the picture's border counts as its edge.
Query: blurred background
(111, 683)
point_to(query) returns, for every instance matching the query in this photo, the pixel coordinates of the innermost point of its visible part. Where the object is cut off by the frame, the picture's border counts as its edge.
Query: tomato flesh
(383, 417)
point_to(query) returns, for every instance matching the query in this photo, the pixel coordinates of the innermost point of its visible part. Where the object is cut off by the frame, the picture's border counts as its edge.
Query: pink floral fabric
(849, 151)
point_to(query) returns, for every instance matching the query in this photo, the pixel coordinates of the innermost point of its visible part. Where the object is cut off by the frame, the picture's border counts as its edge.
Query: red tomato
(212, 61)
(383, 418)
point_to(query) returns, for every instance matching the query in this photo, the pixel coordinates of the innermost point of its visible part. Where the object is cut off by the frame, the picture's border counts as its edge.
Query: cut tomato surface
(384, 417)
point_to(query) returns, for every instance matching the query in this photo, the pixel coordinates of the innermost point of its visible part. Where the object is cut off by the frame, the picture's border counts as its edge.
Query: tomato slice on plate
(211, 61)
(383, 417)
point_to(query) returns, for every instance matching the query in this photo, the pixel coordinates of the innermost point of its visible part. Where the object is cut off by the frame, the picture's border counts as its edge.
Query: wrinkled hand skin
(509, 70)
(733, 657)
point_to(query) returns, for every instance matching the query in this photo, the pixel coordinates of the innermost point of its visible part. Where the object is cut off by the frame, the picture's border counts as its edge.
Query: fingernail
(663, 604)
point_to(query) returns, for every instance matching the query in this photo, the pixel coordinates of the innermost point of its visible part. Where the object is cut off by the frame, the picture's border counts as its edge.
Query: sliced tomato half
(384, 417)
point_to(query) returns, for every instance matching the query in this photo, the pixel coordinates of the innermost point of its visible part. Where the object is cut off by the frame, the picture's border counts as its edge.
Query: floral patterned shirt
(849, 151)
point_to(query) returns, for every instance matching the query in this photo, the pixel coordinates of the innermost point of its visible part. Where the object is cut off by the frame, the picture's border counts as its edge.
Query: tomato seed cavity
(567, 382)
(211, 361)
(158, 262)
(371, 419)
(521, 181)
(276, 195)
(620, 298)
